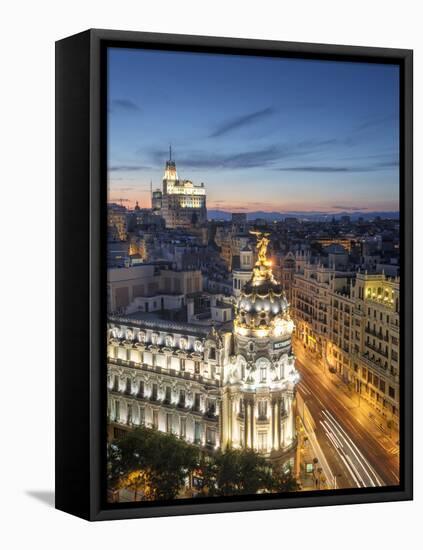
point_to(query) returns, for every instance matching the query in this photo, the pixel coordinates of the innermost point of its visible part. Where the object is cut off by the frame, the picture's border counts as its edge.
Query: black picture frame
(81, 271)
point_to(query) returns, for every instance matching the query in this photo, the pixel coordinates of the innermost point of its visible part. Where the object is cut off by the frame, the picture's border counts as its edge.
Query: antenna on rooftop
(170, 152)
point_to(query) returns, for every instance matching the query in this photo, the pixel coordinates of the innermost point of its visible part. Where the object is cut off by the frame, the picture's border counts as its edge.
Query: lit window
(169, 421)
(211, 436)
(262, 441)
(262, 410)
(182, 427)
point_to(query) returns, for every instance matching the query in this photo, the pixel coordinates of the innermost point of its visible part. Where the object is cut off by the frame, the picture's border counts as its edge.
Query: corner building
(259, 388)
(229, 386)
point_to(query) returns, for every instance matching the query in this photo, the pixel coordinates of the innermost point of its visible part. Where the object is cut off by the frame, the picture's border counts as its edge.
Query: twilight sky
(261, 133)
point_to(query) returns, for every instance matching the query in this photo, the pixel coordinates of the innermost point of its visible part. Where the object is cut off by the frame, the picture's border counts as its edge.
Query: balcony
(210, 416)
(165, 371)
(117, 361)
(377, 350)
(373, 363)
(394, 327)
(376, 334)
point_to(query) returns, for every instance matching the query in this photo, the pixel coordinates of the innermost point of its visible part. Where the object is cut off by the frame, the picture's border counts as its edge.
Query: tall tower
(183, 204)
(170, 177)
(259, 398)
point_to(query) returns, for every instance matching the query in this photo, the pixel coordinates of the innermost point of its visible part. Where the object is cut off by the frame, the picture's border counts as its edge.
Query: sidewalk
(311, 455)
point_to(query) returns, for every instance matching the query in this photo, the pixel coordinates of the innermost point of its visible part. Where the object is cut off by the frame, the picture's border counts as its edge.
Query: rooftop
(153, 321)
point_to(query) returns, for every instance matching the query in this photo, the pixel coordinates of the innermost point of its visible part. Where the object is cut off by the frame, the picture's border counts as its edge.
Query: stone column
(224, 421)
(252, 424)
(247, 425)
(288, 422)
(230, 418)
(222, 442)
(246, 438)
(278, 422)
(293, 417)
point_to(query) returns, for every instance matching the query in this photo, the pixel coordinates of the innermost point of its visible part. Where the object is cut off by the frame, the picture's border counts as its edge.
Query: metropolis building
(223, 386)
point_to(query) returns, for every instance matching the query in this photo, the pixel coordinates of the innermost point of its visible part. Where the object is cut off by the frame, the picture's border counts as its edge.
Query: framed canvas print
(234, 274)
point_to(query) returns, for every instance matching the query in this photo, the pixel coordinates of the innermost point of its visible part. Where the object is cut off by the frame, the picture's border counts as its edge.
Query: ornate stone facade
(227, 386)
(351, 322)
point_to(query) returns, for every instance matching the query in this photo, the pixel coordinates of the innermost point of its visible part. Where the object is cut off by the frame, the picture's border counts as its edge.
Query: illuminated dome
(258, 306)
(262, 307)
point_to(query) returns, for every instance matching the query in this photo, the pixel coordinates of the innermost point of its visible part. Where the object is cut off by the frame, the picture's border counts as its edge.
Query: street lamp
(358, 386)
(316, 471)
(319, 478)
(335, 483)
(325, 361)
(359, 394)
(304, 404)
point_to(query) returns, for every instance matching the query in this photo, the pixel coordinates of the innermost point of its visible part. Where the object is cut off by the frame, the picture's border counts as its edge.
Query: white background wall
(27, 36)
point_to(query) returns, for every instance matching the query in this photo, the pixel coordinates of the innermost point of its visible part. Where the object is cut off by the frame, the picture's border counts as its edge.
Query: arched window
(262, 365)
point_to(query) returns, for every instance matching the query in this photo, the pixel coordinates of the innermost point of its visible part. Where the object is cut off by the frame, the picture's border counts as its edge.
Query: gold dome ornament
(262, 300)
(263, 266)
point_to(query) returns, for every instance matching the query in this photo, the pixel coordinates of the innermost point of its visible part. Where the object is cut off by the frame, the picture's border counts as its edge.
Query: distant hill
(317, 215)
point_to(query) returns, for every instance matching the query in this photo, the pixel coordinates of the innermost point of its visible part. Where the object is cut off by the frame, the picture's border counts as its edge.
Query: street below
(358, 454)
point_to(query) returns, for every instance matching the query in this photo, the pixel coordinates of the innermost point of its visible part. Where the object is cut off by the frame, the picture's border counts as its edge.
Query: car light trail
(359, 467)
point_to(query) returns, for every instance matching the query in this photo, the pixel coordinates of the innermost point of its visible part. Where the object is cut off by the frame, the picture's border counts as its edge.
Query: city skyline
(254, 300)
(256, 128)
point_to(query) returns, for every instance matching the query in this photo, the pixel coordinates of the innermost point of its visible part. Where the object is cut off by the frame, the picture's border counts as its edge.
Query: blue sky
(261, 133)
